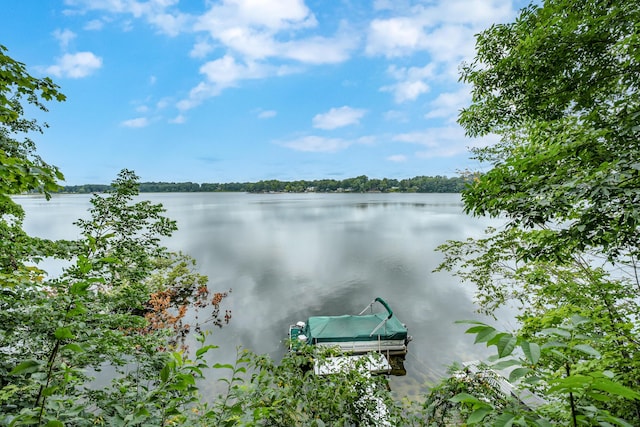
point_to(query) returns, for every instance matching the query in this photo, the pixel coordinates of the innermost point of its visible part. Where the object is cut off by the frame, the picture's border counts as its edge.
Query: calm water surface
(290, 256)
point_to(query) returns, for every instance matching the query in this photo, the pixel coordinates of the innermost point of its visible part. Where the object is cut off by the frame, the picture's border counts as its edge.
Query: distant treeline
(360, 184)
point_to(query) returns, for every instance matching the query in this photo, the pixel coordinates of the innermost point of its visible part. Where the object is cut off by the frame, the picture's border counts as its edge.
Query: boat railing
(370, 306)
(381, 324)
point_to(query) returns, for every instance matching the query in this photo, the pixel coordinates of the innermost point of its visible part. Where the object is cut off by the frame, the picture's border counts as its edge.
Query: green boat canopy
(354, 328)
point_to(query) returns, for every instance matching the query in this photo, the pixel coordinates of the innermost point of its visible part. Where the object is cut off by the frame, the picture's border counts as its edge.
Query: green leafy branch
(565, 376)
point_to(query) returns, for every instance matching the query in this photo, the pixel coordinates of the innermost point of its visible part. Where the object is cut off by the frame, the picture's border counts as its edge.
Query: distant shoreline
(360, 184)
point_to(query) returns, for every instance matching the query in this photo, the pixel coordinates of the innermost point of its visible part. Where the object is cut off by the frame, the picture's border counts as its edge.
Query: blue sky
(248, 90)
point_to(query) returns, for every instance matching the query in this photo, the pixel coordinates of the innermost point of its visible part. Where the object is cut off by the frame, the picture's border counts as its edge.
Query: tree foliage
(361, 184)
(21, 169)
(560, 87)
(121, 301)
(559, 363)
(121, 305)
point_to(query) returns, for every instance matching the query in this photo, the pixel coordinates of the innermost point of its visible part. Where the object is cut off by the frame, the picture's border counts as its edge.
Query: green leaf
(576, 319)
(553, 344)
(505, 364)
(49, 391)
(534, 379)
(620, 422)
(72, 347)
(467, 398)
(557, 331)
(587, 349)
(599, 397)
(504, 420)
(531, 350)
(80, 288)
(476, 329)
(63, 333)
(573, 383)
(120, 410)
(187, 379)
(518, 373)
(110, 260)
(205, 349)
(478, 415)
(496, 339)
(559, 354)
(469, 322)
(617, 389)
(84, 265)
(164, 373)
(26, 367)
(76, 311)
(506, 345)
(223, 366)
(142, 413)
(485, 334)
(54, 423)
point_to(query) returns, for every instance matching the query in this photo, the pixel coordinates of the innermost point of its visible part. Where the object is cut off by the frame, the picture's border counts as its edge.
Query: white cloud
(275, 14)
(249, 27)
(197, 95)
(271, 15)
(444, 28)
(394, 37)
(451, 43)
(94, 25)
(201, 49)
(444, 141)
(127, 26)
(338, 117)
(267, 114)
(262, 38)
(412, 73)
(396, 116)
(318, 50)
(383, 4)
(407, 90)
(261, 29)
(397, 158)
(76, 65)
(317, 144)
(448, 104)
(179, 119)
(64, 37)
(170, 24)
(248, 42)
(478, 13)
(138, 122)
(411, 82)
(155, 12)
(427, 138)
(226, 72)
(253, 33)
(163, 103)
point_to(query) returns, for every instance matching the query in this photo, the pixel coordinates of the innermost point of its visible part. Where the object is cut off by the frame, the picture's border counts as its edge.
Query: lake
(290, 256)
